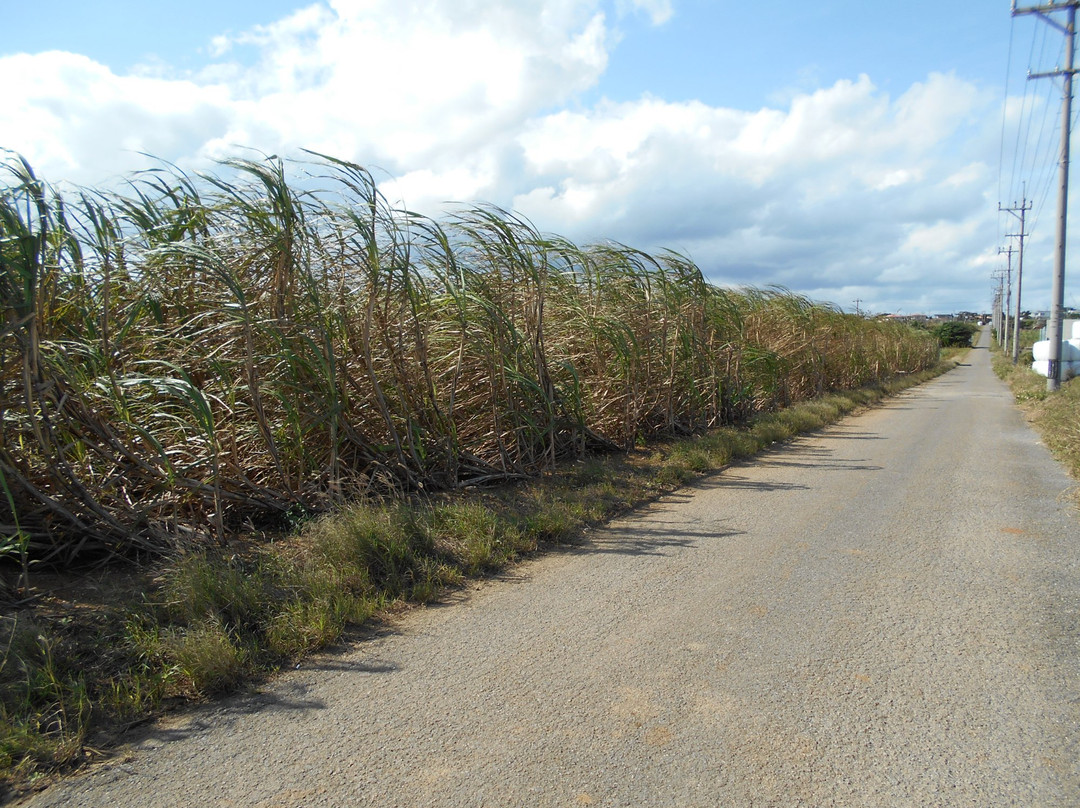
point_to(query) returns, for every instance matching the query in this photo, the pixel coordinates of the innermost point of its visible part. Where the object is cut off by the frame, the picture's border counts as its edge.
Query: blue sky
(847, 150)
(749, 54)
(125, 33)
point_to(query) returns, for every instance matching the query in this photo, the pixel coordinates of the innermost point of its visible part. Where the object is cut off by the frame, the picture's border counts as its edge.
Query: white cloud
(414, 78)
(466, 183)
(659, 11)
(408, 84)
(830, 147)
(74, 119)
(940, 238)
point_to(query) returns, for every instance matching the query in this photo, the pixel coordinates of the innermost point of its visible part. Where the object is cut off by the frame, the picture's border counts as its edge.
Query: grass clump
(202, 587)
(45, 707)
(207, 659)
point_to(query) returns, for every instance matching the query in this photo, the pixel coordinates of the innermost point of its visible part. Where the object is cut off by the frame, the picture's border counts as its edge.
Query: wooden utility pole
(1057, 295)
(1019, 211)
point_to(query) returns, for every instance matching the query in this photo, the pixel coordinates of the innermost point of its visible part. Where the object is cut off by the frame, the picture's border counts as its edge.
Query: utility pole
(857, 301)
(1008, 298)
(1057, 295)
(1020, 212)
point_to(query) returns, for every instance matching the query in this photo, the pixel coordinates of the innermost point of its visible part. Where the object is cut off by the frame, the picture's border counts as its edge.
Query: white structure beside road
(1070, 352)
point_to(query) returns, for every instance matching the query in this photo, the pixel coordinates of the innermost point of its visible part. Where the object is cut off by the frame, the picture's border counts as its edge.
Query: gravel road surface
(882, 614)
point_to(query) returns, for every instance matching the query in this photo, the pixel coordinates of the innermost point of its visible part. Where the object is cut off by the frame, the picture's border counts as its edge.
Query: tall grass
(204, 353)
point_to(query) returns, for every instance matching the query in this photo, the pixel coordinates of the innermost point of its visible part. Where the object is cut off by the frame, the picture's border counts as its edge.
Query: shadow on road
(845, 433)
(731, 481)
(837, 465)
(286, 698)
(645, 539)
(352, 666)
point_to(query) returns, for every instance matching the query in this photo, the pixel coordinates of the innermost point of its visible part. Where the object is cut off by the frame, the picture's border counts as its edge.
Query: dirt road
(882, 614)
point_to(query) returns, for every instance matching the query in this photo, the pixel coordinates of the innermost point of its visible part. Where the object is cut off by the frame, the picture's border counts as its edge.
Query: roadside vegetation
(955, 333)
(1056, 416)
(242, 412)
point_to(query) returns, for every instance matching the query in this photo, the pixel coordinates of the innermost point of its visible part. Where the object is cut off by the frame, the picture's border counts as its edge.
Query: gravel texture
(884, 613)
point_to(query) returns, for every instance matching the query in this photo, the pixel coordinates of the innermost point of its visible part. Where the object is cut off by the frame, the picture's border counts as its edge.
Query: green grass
(45, 707)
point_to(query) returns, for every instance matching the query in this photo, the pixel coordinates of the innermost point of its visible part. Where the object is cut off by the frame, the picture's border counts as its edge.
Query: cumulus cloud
(409, 84)
(844, 185)
(69, 112)
(837, 192)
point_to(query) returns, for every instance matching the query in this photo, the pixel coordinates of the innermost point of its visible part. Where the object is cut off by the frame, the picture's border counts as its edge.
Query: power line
(1005, 105)
(1047, 181)
(1044, 141)
(1029, 154)
(1024, 137)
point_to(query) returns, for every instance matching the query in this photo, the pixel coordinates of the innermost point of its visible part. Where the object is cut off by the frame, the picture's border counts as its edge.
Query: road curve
(884, 613)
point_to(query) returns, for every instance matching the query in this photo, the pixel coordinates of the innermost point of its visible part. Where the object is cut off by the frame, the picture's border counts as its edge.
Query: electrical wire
(1004, 112)
(1020, 145)
(1044, 162)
